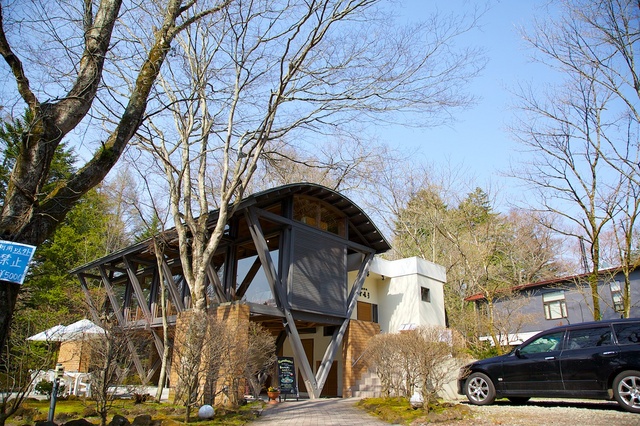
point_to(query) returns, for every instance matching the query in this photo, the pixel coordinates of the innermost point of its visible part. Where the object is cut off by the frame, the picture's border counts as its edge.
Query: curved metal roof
(358, 219)
(362, 229)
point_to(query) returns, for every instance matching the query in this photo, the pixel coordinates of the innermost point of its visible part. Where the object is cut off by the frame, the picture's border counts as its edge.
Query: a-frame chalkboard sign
(287, 376)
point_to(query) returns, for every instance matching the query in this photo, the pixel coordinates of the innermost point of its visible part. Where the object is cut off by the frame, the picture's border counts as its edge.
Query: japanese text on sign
(14, 261)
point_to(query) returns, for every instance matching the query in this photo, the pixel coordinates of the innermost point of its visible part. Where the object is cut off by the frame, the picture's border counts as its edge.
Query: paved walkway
(319, 412)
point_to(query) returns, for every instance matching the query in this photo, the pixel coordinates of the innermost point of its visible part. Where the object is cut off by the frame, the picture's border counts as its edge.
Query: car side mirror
(517, 353)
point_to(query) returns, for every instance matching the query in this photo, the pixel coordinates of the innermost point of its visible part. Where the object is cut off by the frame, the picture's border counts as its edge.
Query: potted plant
(273, 393)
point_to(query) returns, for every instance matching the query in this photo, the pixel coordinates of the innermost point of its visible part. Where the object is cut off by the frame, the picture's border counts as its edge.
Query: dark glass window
(328, 330)
(589, 338)
(425, 295)
(628, 334)
(546, 343)
(319, 215)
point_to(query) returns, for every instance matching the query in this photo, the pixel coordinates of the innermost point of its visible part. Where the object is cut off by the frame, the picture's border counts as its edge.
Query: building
(301, 260)
(538, 306)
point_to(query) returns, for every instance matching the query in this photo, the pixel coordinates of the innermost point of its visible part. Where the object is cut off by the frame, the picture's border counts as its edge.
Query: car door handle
(609, 353)
(549, 358)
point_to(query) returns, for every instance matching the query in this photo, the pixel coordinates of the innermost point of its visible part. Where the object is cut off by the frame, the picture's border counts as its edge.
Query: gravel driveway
(545, 412)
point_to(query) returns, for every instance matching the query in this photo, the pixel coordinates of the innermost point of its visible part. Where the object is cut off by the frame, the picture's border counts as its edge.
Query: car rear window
(589, 338)
(628, 333)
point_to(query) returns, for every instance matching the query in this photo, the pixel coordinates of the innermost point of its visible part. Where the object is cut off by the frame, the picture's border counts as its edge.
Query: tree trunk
(165, 324)
(8, 297)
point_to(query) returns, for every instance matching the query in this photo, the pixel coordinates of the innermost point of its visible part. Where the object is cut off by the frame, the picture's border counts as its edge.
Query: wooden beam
(137, 289)
(214, 280)
(174, 294)
(338, 334)
(251, 274)
(153, 369)
(317, 318)
(121, 320)
(115, 304)
(158, 342)
(258, 308)
(87, 295)
(274, 282)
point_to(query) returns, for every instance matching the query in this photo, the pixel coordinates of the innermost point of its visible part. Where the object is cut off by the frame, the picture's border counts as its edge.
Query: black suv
(596, 360)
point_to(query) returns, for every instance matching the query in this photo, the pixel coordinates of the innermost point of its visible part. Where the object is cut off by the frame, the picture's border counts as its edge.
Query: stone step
(366, 394)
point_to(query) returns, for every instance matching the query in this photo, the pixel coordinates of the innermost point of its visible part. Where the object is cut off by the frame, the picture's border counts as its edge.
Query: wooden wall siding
(318, 279)
(74, 355)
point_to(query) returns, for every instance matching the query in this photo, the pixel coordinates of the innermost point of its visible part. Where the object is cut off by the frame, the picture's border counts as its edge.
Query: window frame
(425, 291)
(617, 296)
(554, 305)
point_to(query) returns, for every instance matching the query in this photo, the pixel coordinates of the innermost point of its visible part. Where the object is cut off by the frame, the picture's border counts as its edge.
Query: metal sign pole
(54, 391)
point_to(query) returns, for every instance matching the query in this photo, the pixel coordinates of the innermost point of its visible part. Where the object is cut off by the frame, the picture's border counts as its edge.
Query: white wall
(395, 287)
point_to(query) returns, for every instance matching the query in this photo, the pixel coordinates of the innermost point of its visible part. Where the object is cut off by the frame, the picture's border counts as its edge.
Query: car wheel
(479, 389)
(518, 399)
(626, 389)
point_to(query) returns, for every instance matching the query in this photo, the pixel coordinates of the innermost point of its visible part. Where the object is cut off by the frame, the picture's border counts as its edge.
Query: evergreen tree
(10, 143)
(50, 294)
(483, 251)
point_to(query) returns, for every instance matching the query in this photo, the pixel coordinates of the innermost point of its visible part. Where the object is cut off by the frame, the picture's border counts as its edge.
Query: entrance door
(365, 311)
(331, 385)
(307, 344)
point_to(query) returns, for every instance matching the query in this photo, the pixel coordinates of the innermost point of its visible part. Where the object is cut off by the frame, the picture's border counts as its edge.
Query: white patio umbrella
(61, 333)
(80, 329)
(50, 335)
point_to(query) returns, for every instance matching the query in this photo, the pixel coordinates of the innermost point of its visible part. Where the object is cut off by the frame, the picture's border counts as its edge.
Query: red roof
(480, 296)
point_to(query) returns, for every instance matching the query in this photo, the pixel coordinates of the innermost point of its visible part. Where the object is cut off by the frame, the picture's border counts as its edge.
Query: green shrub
(45, 387)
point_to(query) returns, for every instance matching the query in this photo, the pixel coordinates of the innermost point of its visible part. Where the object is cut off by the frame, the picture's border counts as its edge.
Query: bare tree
(624, 240)
(22, 360)
(416, 360)
(277, 76)
(509, 318)
(579, 133)
(109, 364)
(261, 356)
(59, 55)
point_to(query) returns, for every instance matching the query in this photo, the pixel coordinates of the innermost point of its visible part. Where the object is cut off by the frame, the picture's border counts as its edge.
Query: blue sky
(478, 140)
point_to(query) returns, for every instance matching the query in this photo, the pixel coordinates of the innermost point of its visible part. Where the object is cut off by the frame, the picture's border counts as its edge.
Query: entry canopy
(62, 333)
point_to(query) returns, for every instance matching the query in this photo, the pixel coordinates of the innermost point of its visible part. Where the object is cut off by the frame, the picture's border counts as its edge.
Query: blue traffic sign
(14, 261)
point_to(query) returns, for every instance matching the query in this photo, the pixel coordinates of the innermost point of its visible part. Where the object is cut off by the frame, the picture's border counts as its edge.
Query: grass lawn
(399, 411)
(34, 410)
